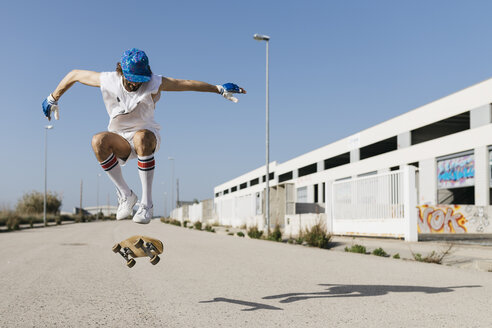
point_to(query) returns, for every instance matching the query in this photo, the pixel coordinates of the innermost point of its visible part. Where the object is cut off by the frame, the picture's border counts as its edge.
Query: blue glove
(228, 89)
(50, 105)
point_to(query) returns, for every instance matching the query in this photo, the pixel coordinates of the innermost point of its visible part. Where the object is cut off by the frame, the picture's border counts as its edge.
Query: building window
(271, 175)
(379, 148)
(243, 185)
(456, 179)
(254, 182)
(302, 195)
(226, 191)
(315, 193)
(441, 128)
(337, 161)
(233, 189)
(309, 169)
(285, 177)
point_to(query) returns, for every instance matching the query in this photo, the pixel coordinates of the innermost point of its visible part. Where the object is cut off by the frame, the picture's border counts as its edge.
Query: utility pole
(177, 192)
(165, 204)
(80, 206)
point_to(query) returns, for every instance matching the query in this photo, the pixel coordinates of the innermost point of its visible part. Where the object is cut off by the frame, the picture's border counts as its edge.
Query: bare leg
(106, 143)
(144, 142)
(108, 147)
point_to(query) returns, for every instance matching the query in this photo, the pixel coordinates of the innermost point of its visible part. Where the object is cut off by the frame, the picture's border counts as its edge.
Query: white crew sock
(113, 169)
(146, 165)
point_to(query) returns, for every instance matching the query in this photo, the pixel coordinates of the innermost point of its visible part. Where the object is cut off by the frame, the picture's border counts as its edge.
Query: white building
(448, 141)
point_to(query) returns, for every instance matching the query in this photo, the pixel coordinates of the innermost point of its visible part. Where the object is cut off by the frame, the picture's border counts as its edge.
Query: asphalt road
(67, 276)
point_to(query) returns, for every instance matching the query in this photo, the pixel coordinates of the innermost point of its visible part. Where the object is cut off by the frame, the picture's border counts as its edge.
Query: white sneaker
(144, 214)
(125, 206)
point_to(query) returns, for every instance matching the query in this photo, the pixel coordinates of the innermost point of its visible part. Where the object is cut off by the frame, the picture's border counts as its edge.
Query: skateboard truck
(130, 262)
(148, 248)
(137, 247)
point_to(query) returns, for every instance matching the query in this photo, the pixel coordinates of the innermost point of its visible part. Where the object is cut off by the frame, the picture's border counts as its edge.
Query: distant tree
(196, 201)
(32, 203)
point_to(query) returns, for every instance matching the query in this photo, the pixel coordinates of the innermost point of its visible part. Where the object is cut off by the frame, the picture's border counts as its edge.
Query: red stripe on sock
(109, 164)
(146, 165)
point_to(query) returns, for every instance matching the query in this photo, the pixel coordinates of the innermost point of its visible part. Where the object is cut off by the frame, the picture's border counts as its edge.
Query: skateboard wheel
(116, 248)
(155, 259)
(130, 263)
(138, 243)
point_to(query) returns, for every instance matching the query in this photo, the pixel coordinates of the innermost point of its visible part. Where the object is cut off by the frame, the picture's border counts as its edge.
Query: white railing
(378, 205)
(372, 197)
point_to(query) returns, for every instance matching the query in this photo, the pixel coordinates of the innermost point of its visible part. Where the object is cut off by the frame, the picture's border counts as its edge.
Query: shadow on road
(335, 290)
(252, 306)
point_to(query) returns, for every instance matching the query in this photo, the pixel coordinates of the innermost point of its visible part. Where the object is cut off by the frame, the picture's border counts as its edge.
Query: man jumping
(130, 94)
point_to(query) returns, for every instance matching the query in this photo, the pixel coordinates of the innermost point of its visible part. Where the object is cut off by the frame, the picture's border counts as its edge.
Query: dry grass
(435, 256)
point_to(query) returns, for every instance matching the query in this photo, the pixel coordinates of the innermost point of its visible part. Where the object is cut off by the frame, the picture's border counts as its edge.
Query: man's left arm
(226, 90)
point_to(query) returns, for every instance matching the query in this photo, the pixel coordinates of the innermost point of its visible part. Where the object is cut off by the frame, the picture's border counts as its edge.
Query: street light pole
(165, 204)
(266, 38)
(46, 128)
(172, 182)
(97, 214)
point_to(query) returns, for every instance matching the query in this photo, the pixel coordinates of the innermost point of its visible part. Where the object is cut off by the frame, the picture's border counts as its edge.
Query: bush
(396, 256)
(185, 223)
(253, 232)
(175, 222)
(171, 221)
(300, 240)
(379, 252)
(276, 234)
(13, 222)
(198, 225)
(232, 234)
(433, 257)
(356, 249)
(33, 203)
(317, 236)
(240, 234)
(209, 228)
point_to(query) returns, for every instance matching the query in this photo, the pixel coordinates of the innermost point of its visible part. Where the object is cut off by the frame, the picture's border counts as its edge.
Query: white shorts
(128, 135)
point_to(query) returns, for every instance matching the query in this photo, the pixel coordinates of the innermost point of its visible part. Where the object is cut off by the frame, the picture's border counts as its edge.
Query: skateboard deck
(139, 246)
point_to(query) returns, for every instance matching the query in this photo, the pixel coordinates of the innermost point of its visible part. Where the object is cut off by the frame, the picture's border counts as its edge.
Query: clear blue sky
(336, 67)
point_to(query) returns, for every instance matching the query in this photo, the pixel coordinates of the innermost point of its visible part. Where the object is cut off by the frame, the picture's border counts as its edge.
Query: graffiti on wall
(452, 219)
(456, 172)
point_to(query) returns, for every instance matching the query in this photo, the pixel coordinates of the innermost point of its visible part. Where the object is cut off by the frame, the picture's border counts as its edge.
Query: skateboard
(139, 246)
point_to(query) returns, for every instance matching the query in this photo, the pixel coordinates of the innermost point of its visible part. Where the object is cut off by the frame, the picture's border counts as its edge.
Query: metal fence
(372, 197)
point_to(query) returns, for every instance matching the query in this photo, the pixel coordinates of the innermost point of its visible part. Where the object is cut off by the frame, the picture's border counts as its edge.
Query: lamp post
(46, 128)
(172, 182)
(266, 38)
(97, 214)
(165, 204)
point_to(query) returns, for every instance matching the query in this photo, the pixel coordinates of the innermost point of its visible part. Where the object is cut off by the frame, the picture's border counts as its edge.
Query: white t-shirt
(130, 111)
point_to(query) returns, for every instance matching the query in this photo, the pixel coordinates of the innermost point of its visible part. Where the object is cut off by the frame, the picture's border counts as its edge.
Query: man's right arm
(89, 78)
(50, 104)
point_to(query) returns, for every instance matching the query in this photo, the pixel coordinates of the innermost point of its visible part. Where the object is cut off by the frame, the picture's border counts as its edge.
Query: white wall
(297, 224)
(478, 139)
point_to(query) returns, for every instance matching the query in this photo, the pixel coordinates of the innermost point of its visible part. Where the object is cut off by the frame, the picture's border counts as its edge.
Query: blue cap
(135, 66)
